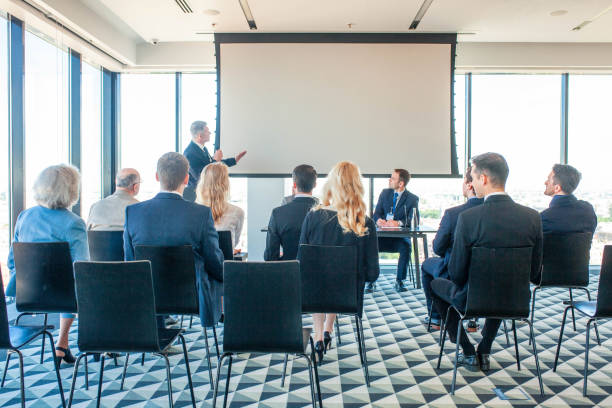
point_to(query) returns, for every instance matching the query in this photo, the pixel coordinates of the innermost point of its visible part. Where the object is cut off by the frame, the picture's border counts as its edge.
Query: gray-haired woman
(55, 190)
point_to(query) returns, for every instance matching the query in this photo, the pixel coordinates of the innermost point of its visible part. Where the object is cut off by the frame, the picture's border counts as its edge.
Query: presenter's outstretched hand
(240, 155)
(218, 156)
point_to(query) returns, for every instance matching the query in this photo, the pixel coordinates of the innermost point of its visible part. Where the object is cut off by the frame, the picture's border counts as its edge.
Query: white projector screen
(380, 105)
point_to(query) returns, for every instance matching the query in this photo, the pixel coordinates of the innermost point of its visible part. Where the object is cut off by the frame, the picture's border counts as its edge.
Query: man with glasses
(109, 214)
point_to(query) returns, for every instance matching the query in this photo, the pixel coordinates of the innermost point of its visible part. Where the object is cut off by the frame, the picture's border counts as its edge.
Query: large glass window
(147, 125)
(91, 137)
(590, 144)
(518, 116)
(199, 102)
(46, 108)
(4, 142)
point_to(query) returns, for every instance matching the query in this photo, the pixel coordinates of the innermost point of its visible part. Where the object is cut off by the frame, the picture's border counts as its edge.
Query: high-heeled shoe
(327, 339)
(319, 347)
(67, 357)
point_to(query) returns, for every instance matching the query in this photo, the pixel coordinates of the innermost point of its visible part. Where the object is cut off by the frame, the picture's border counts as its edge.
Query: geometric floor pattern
(402, 358)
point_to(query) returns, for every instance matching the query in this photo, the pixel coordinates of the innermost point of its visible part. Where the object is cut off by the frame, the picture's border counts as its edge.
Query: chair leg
(364, 352)
(506, 332)
(215, 386)
(125, 365)
(210, 376)
(169, 379)
(216, 342)
(537, 361)
(442, 339)
(358, 339)
(516, 350)
(596, 332)
(74, 377)
(102, 356)
(337, 331)
(56, 365)
(284, 370)
(42, 346)
(188, 369)
(227, 381)
(312, 389)
(429, 314)
(190, 321)
(182, 317)
(586, 357)
(560, 337)
(316, 372)
(86, 373)
(459, 324)
(8, 357)
(22, 378)
(142, 359)
(533, 299)
(573, 316)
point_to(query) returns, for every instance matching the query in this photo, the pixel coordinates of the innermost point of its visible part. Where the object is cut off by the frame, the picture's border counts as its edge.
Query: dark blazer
(167, 219)
(443, 242)
(499, 222)
(198, 159)
(321, 227)
(406, 202)
(568, 214)
(285, 227)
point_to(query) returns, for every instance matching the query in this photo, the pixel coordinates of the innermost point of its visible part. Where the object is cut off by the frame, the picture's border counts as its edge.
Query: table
(415, 234)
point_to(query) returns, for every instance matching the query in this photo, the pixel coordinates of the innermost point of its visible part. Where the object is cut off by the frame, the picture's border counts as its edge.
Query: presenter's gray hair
(197, 127)
(127, 181)
(57, 186)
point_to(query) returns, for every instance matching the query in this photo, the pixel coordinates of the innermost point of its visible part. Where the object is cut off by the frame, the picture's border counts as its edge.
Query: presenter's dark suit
(198, 159)
(442, 245)
(568, 214)
(499, 222)
(169, 220)
(403, 212)
(284, 228)
(321, 227)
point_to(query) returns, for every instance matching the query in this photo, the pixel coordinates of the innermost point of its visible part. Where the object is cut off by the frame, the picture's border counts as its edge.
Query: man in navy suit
(443, 244)
(394, 209)
(199, 157)
(169, 220)
(566, 213)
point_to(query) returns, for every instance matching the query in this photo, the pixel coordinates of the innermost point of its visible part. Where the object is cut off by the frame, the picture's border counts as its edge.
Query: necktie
(394, 201)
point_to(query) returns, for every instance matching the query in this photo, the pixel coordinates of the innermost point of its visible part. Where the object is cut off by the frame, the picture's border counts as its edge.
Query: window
(46, 108)
(589, 147)
(199, 102)
(91, 137)
(5, 220)
(147, 125)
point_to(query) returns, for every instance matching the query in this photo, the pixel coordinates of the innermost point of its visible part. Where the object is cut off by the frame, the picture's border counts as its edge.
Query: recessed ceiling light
(212, 12)
(558, 13)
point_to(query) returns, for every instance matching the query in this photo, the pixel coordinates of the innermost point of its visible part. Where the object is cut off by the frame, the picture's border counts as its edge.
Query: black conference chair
(174, 281)
(565, 264)
(44, 280)
(330, 279)
(256, 322)
(225, 244)
(12, 338)
(593, 310)
(117, 314)
(501, 274)
(105, 246)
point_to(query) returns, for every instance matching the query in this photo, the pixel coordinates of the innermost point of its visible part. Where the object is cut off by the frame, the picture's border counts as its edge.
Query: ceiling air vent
(184, 6)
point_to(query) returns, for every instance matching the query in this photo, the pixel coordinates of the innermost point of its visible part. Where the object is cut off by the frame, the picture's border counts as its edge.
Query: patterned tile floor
(402, 358)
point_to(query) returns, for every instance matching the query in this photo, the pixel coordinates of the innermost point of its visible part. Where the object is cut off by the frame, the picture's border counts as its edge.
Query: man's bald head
(128, 180)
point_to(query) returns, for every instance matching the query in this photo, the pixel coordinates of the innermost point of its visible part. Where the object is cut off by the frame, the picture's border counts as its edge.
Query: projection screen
(382, 105)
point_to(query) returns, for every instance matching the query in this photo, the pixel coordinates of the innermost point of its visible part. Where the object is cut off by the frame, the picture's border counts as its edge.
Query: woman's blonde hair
(343, 192)
(213, 189)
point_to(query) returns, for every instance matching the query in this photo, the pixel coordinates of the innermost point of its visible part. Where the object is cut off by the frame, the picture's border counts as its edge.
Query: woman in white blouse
(213, 191)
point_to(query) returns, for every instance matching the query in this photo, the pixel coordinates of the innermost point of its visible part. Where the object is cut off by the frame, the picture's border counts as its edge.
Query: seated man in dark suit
(566, 213)
(498, 222)
(198, 156)
(167, 219)
(286, 221)
(394, 209)
(443, 243)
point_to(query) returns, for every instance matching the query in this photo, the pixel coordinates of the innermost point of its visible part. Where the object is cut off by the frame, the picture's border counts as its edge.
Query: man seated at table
(394, 209)
(434, 267)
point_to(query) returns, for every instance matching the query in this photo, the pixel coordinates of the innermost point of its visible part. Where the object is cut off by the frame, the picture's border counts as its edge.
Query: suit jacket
(499, 222)
(169, 220)
(443, 242)
(321, 227)
(198, 159)
(403, 208)
(285, 227)
(109, 214)
(568, 214)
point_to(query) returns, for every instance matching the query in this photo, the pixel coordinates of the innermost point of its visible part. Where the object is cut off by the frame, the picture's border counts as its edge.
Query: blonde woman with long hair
(341, 219)
(213, 191)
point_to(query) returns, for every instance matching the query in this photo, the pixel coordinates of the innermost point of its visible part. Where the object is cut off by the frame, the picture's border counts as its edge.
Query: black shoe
(319, 347)
(327, 339)
(470, 362)
(399, 286)
(370, 287)
(435, 322)
(67, 357)
(472, 326)
(485, 362)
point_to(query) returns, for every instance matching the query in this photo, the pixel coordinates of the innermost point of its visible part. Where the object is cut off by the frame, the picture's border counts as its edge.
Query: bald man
(109, 214)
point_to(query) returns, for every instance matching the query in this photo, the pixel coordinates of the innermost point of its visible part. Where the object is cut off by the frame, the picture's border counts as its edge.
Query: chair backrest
(329, 279)
(44, 277)
(225, 244)
(262, 302)
(105, 246)
(174, 277)
(565, 259)
(499, 282)
(604, 292)
(5, 338)
(116, 307)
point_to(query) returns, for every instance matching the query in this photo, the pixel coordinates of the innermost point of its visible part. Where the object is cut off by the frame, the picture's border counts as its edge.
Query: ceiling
(474, 20)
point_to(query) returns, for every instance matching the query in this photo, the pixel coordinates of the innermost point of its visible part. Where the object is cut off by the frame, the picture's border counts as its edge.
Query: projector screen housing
(383, 101)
